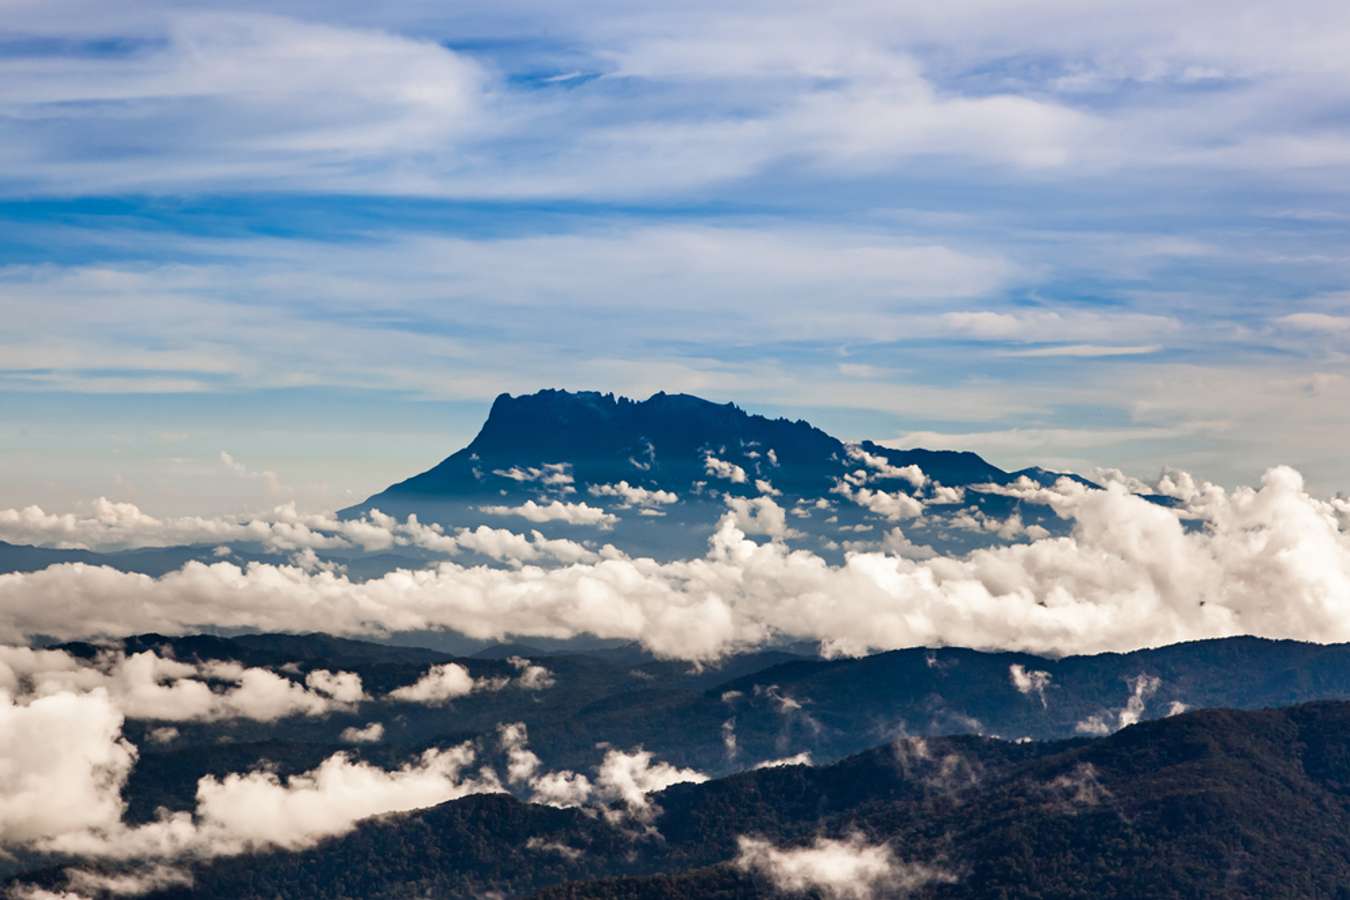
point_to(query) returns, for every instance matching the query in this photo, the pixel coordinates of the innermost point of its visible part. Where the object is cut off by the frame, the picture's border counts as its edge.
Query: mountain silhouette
(572, 447)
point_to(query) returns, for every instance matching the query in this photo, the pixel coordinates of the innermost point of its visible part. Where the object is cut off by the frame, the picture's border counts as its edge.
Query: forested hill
(1206, 804)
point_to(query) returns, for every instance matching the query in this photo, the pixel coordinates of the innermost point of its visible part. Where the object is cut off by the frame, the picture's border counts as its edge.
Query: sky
(291, 251)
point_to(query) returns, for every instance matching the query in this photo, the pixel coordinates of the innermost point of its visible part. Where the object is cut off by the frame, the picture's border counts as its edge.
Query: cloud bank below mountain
(1272, 561)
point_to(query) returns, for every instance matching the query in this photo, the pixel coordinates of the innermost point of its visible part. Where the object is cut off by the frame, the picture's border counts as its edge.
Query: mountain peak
(557, 449)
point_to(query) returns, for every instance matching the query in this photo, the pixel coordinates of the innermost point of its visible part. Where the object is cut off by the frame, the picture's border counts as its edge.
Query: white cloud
(766, 488)
(1142, 688)
(627, 777)
(512, 548)
(897, 543)
(632, 495)
(1041, 325)
(63, 761)
(120, 526)
(164, 734)
(1029, 681)
(882, 469)
(557, 511)
(891, 506)
(760, 515)
(276, 99)
(448, 681)
(521, 764)
(1316, 322)
(561, 789)
(556, 475)
(720, 468)
(440, 684)
(372, 733)
(844, 869)
(147, 686)
(622, 780)
(797, 759)
(1272, 561)
(532, 677)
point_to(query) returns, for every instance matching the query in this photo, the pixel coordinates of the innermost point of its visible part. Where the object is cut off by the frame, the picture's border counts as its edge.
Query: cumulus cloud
(63, 761)
(512, 548)
(532, 677)
(897, 543)
(839, 869)
(440, 684)
(1142, 687)
(372, 733)
(627, 777)
(147, 686)
(1008, 529)
(620, 789)
(881, 468)
(557, 511)
(894, 506)
(766, 488)
(633, 496)
(561, 789)
(760, 515)
(1271, 561)
(261, 810)
(720, 468)
(124, 526)
(447, 681)
(521, 763)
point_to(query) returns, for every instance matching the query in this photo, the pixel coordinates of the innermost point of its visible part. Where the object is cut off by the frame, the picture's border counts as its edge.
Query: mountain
(1206, 804)
(576, 447)
(985, 766)
(773, 704)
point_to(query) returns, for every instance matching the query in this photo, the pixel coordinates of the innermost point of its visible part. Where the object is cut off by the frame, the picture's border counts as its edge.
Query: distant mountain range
(653, 478)
(1207, 804)
(582, 447)
(778, 703)
(986, 773)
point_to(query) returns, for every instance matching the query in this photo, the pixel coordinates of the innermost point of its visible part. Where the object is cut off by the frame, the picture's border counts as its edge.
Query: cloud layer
(1272, 560)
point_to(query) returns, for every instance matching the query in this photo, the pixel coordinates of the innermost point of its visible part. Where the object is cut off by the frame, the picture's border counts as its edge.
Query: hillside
(1213, 803)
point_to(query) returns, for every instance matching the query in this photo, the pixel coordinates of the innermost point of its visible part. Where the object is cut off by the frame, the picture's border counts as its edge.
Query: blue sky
(321, 237)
